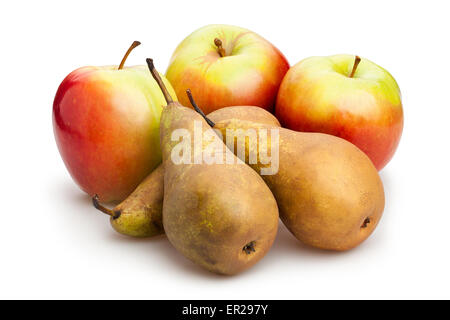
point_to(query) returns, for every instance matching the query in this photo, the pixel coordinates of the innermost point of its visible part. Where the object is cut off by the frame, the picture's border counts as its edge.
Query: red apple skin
(106, 126)
(249, 74)
(370, 116)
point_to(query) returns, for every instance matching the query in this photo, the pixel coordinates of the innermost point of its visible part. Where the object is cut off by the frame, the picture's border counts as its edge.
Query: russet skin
(227, 66)
(248, 113)
(106, 126)
(319, 95)
(329, 194)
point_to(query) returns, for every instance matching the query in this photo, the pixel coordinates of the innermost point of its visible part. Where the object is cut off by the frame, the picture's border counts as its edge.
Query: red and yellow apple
(225, 66)
(345, 96)
(106, 126)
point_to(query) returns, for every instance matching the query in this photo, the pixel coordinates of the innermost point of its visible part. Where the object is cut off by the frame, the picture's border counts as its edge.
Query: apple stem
(159, 81)
(191, 99)
(355, 65)
(220, 49)
(97, 205)
(133, 45)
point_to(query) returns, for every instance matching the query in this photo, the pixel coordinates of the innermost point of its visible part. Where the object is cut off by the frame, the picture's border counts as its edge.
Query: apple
(225, 66)
(106, 126)
(345, 96)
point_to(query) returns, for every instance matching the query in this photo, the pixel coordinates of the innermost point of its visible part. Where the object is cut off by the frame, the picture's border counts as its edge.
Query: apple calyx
(114, 214)
(220, 49)
(200, 111)
(133, 45)
(355, 65)
(159, 81)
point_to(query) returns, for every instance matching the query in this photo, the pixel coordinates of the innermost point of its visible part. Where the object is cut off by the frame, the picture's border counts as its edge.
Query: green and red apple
(225, 66)
(345, 96)
(106, 125)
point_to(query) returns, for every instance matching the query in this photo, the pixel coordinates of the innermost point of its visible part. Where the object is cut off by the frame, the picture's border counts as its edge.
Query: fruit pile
(301, 143)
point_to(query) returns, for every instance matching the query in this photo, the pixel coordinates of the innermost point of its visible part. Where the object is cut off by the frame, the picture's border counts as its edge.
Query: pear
(329, 193)
(139, 215)
(221, 216)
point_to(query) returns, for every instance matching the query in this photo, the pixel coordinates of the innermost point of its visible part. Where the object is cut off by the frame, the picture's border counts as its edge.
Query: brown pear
(220, 215)
(329, 194)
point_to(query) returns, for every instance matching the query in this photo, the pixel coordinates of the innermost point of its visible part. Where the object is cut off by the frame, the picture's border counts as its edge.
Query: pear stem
(191, 99)
(159, 81)
(97, 205)
(355, 65)
(133, 45)
(220, 49)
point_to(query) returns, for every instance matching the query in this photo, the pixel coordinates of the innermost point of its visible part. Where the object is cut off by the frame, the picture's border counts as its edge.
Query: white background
(54, 244)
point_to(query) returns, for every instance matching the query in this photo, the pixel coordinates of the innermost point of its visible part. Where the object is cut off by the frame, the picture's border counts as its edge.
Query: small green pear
(139, 215)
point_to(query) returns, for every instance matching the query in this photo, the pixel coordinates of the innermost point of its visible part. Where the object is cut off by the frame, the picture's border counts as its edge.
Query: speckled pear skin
(222, 217)
(141, 213)
(247, 113)
(329, 194)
